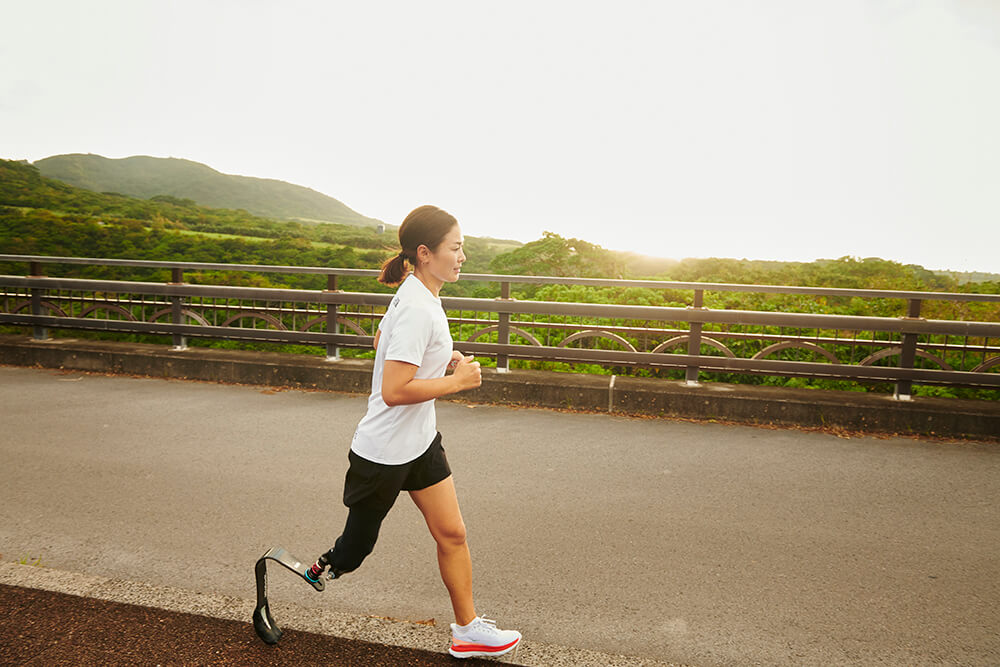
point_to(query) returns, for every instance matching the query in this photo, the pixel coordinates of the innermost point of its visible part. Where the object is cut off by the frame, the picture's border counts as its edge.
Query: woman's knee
(451, 534)
(358, 539)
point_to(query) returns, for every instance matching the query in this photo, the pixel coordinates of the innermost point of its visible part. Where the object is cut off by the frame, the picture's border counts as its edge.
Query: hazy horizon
(779, 131)
(525, 241)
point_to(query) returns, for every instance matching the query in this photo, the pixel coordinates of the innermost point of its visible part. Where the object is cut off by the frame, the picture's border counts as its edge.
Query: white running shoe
(481, 638)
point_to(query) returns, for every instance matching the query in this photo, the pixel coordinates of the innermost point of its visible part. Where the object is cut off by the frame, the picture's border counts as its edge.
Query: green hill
(145, 177)
(43, 216)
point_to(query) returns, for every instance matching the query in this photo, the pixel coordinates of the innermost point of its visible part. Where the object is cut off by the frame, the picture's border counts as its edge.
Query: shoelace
(488, 624)
(485, 625)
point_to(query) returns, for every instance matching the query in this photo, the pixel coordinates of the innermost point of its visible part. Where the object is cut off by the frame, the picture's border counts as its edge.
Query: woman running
(396, 446)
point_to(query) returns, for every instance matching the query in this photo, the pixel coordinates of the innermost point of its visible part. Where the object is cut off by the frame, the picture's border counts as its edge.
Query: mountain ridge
(146, 176)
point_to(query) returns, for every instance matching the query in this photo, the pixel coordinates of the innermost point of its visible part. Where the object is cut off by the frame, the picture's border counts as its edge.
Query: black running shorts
(378, 485)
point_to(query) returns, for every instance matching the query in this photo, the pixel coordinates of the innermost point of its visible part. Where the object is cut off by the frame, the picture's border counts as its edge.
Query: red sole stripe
(461, 648)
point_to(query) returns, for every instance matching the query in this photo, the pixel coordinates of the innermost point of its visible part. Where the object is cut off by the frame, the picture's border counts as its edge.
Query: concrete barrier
(852, 411)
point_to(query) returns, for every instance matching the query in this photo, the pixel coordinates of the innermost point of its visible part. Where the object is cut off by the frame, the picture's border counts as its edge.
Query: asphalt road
(693, 543)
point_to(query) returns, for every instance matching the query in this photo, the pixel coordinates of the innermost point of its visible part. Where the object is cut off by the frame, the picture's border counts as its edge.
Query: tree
(553, 255)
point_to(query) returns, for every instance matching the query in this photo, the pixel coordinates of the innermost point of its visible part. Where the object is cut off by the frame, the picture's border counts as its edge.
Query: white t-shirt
(415, 330)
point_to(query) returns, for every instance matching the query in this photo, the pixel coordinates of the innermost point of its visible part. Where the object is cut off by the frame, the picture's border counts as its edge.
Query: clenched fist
(468, 374)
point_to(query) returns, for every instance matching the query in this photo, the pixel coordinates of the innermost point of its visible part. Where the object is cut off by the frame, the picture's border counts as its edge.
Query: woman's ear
(423, 254)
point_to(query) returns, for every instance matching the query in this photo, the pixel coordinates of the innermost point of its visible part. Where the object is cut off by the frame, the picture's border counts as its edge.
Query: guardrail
(693, 338)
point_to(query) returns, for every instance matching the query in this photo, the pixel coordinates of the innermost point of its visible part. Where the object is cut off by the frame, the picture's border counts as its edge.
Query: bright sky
(770, 129)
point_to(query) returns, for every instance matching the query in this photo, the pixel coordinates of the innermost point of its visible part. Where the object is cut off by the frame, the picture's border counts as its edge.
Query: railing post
(332, 325)
(904, 388)
(177, 309)
(694, 339)
(503, 330)
(35, 271)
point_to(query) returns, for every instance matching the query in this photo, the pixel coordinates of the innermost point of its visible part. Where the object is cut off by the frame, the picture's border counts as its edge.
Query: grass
(251, 239)
(30, 560)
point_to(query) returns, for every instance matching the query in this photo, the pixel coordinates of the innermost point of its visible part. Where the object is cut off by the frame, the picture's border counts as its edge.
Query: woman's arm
(400, 387)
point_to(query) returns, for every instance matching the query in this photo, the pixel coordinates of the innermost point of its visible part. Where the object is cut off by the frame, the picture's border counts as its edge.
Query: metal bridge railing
(902, 350)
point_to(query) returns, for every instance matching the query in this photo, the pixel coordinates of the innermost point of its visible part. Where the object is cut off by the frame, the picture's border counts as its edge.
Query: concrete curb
(851, 411)
(346, 626)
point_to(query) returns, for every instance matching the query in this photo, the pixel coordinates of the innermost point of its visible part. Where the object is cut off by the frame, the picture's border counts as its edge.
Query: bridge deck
(690, 543)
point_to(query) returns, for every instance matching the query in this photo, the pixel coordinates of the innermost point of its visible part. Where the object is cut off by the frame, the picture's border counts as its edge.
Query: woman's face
(445, 263)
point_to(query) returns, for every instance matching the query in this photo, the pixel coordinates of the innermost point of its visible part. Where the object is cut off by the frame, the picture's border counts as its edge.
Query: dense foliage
(40, 216)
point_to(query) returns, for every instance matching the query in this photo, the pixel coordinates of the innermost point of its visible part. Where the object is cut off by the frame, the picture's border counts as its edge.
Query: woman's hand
(468, 374)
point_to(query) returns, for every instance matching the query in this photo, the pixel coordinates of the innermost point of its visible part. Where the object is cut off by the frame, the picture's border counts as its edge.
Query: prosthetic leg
(364, 531)
(263, 622)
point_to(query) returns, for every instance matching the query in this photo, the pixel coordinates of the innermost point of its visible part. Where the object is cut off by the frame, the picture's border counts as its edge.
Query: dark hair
(425, 225)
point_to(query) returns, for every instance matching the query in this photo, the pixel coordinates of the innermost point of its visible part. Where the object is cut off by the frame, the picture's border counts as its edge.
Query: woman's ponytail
(393, 270)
